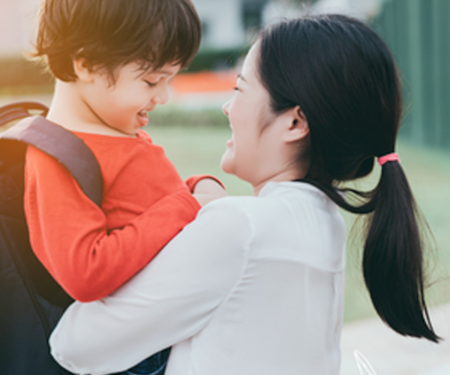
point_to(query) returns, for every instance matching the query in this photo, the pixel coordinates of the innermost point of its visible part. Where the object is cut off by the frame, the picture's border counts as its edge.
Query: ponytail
(393, 251)
(343, 77)
(393, 260)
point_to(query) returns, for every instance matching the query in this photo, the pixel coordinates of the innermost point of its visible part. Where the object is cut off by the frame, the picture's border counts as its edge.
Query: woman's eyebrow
(242, 77)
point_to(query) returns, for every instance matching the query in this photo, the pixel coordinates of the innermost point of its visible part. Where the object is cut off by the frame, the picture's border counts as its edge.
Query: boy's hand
(207, 190)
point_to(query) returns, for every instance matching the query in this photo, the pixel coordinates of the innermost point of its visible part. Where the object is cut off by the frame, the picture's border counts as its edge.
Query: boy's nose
(162, 97)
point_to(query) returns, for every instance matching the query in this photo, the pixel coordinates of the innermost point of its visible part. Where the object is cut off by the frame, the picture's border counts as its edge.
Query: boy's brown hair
(112, 33)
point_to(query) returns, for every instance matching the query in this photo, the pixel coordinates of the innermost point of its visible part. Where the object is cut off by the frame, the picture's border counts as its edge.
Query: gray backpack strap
(65, 147)
(20, 110)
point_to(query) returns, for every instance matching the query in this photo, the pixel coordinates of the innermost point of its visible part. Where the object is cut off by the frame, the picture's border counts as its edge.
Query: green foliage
(175, 116)
(418, 34)
(302, 2)
(208, 59)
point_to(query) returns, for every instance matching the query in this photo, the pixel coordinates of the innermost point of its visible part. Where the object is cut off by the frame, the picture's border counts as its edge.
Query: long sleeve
(192, 181)
(254, 286)
(73, 237)
(169, 301)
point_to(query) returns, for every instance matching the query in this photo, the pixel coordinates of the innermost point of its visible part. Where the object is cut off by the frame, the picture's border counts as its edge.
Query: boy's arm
(69, 233)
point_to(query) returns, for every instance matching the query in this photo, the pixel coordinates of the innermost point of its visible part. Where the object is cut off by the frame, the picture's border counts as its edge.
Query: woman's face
(248, 112)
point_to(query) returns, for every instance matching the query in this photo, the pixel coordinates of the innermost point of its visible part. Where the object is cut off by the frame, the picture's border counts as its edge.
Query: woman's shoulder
(233, 207)
(287, 220)
(277, 200)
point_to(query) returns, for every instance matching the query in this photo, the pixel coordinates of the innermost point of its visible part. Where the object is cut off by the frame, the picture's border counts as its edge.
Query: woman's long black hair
(345, 81)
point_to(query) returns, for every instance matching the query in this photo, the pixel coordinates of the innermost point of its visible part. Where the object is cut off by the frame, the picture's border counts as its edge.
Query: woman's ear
(82, 70)
(298, 127)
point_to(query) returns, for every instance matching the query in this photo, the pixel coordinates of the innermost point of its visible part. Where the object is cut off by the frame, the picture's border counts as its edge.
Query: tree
(300, 2)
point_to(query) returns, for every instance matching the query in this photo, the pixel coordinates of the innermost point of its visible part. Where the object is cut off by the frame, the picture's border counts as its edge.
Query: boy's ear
(298, 127)
(82, 70)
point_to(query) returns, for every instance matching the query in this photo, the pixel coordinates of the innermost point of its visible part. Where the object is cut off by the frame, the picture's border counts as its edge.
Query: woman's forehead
(249, 67)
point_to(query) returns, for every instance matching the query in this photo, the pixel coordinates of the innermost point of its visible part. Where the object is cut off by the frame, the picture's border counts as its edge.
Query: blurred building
(226, 24)
(233, 23)
(418, 34)
(17, 22)
(363, 9)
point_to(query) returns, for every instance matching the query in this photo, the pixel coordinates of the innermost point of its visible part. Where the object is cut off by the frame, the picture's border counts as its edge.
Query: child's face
(123, 105)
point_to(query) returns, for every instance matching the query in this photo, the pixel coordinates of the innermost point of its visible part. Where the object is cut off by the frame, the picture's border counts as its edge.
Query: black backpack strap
(65, 147)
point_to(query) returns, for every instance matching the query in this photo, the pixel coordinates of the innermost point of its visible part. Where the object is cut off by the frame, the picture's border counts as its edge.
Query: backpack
(31, 301)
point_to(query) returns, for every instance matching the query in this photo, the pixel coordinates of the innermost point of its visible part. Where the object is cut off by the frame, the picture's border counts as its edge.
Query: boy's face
(123, 105)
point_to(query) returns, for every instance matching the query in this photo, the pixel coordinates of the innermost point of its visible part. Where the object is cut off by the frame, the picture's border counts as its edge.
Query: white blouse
(253, 286)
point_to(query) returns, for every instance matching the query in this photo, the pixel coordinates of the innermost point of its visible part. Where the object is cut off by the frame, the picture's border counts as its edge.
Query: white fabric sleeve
(169, 301)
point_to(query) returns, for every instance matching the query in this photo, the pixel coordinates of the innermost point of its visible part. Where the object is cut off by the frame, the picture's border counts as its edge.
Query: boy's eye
(151, 84)
(236, 88)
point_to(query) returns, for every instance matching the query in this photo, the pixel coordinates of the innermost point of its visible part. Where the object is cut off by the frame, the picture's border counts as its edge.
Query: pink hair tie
(389, 157)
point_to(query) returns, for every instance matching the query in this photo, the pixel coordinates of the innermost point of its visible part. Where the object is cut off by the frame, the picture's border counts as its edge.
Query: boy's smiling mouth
(142, 117)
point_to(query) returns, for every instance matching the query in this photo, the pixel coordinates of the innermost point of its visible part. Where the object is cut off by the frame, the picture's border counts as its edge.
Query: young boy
(112, 60)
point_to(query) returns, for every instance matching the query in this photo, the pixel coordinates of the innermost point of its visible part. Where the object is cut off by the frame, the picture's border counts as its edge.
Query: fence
(418, 33)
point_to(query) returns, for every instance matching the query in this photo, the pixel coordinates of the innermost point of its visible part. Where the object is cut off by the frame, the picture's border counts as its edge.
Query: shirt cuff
(192, 181)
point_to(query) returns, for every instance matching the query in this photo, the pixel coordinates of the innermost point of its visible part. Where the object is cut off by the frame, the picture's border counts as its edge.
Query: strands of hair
(344, 79)
(109, 34)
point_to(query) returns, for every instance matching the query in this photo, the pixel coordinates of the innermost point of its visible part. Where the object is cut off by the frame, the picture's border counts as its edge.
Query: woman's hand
(207, 190)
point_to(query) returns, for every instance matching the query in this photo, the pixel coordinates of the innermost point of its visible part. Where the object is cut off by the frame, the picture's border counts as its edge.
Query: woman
(255, 284)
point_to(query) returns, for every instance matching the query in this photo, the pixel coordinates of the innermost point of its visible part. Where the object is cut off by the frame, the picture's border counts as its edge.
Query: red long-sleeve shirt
(90, 251)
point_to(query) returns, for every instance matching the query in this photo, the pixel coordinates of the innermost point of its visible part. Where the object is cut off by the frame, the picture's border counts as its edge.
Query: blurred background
(193, 129)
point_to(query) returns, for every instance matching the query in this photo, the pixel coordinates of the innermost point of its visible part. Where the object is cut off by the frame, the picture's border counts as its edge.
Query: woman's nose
(226, 107)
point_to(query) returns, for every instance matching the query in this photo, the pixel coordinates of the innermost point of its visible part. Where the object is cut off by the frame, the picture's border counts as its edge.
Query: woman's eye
(236, 88)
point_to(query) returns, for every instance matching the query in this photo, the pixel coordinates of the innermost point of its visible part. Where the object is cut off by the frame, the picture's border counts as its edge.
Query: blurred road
(391, 354)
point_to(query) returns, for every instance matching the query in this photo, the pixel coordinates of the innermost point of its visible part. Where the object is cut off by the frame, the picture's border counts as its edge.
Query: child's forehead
(167, 69)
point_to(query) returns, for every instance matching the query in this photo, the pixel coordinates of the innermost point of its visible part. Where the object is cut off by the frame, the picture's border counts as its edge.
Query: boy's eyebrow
(159, 71)
(162, 71)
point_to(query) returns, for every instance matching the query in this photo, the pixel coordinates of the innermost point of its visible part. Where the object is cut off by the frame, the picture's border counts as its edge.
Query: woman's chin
(227, 163)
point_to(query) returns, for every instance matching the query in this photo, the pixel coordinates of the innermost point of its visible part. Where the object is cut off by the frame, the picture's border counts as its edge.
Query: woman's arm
(169, 301)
